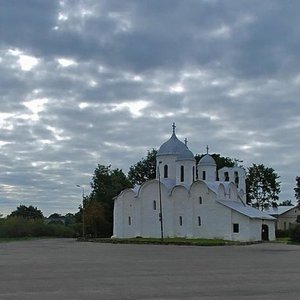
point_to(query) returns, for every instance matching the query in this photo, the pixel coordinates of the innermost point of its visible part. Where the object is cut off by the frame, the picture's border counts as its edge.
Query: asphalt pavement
(67, 269)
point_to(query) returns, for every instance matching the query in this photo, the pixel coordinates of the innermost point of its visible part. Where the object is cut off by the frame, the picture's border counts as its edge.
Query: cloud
(88, 82)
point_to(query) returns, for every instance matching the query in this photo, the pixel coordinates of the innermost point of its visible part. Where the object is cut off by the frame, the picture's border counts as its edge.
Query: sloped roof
(246, 210)
(279, 210)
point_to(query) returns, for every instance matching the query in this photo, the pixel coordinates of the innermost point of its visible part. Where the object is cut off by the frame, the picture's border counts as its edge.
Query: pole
(83, 225)
(160, 206)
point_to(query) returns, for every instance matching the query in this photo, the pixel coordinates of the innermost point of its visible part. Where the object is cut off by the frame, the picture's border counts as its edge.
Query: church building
(190, 201)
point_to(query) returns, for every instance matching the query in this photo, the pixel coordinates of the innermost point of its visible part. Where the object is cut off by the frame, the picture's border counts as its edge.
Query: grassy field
(170, 241)
(6, 240)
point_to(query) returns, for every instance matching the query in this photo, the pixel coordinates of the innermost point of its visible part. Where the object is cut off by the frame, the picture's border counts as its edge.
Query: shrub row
(21, 227)
(295, 234)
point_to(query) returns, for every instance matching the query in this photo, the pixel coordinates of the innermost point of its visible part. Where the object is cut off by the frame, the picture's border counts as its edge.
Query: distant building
(192, 207)
(286, 216)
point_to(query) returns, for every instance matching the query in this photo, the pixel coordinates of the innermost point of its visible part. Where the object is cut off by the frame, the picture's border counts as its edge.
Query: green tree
(221, 161)
(106, 184)
(143, 170)
(286, 203)
(297, 190)
(29, 212)
(262, 186)
(96, 223)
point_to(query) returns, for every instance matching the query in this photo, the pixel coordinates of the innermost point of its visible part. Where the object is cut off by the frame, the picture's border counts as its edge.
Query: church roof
(186, 155)
(279, 210)
(246, 210)
(207, 160)
(174, 146)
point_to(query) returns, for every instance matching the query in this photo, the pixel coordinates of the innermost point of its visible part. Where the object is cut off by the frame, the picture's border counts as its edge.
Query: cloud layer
(88, 82)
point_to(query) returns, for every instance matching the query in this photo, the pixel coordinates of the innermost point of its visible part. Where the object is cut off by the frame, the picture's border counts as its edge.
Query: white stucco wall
(216, 219)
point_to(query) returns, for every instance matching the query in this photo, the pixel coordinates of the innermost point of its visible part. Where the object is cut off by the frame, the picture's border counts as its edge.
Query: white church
(181, 202)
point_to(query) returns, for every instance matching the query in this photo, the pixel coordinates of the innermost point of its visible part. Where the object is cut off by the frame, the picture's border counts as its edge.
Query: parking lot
(67, 269)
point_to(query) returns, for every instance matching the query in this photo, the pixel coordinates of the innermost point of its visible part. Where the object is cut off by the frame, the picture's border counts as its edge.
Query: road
(67, 269)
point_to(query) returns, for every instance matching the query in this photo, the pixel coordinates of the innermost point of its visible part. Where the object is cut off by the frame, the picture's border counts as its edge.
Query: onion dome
(173, 146)
(186, 155)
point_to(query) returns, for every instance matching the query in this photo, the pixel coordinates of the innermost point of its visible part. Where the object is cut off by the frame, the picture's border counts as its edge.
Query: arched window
(166, 171)
(199, 221)
(182, 173)
(180, 220)
(203, 175)
(154, 204)
(129, 220)
(193, 174)
(226, 176)
(236, 179)
(200, 200)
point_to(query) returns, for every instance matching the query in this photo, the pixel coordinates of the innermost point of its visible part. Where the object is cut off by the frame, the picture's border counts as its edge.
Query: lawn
(169, 241)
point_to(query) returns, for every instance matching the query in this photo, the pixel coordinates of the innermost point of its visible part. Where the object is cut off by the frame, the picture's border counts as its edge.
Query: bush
(22, 227)
(282, 233)
(295, 233)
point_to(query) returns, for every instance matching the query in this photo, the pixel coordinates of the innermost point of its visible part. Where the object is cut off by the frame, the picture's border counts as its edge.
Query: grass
(15, 239)
(169, 241)
(282, 239)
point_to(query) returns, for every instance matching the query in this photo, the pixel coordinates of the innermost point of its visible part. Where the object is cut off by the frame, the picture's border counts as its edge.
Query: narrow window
(193, 174)
(180, 220)
(182, 173)
(203, 175)
(199, 221)
(165, 171)
(154, 204)
(226, 175)
(236, 228)
(129, 221)
(200, 200)
(236, 179)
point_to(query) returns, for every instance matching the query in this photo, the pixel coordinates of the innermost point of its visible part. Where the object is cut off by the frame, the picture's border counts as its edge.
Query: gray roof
(186, 155)
(279, 210)
(246, 210)
(172, 146)
(207, 160)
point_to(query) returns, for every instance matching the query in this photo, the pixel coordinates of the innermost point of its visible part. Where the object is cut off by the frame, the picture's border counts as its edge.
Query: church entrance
(265, 232)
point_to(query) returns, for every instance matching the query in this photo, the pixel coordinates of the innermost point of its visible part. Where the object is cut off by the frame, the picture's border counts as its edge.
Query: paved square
(66, 269)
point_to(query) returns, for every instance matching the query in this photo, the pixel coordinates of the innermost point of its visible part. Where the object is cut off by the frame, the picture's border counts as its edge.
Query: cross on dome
(174, 126)
(207, 149)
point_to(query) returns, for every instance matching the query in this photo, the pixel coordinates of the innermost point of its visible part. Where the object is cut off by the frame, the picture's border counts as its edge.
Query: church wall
(271, 225)
(167, 160)
(188, 172)
(150, 225)
(243, 222)
(130, 215)
(180, 212)
(168, 213)
(213, 216)
(118, 217)
(210, 173)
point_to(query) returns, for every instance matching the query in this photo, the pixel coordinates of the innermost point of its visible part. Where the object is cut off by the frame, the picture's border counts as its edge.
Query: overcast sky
(94, 82)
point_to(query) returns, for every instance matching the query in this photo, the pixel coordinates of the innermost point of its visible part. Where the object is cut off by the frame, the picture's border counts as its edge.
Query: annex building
(191, 201)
